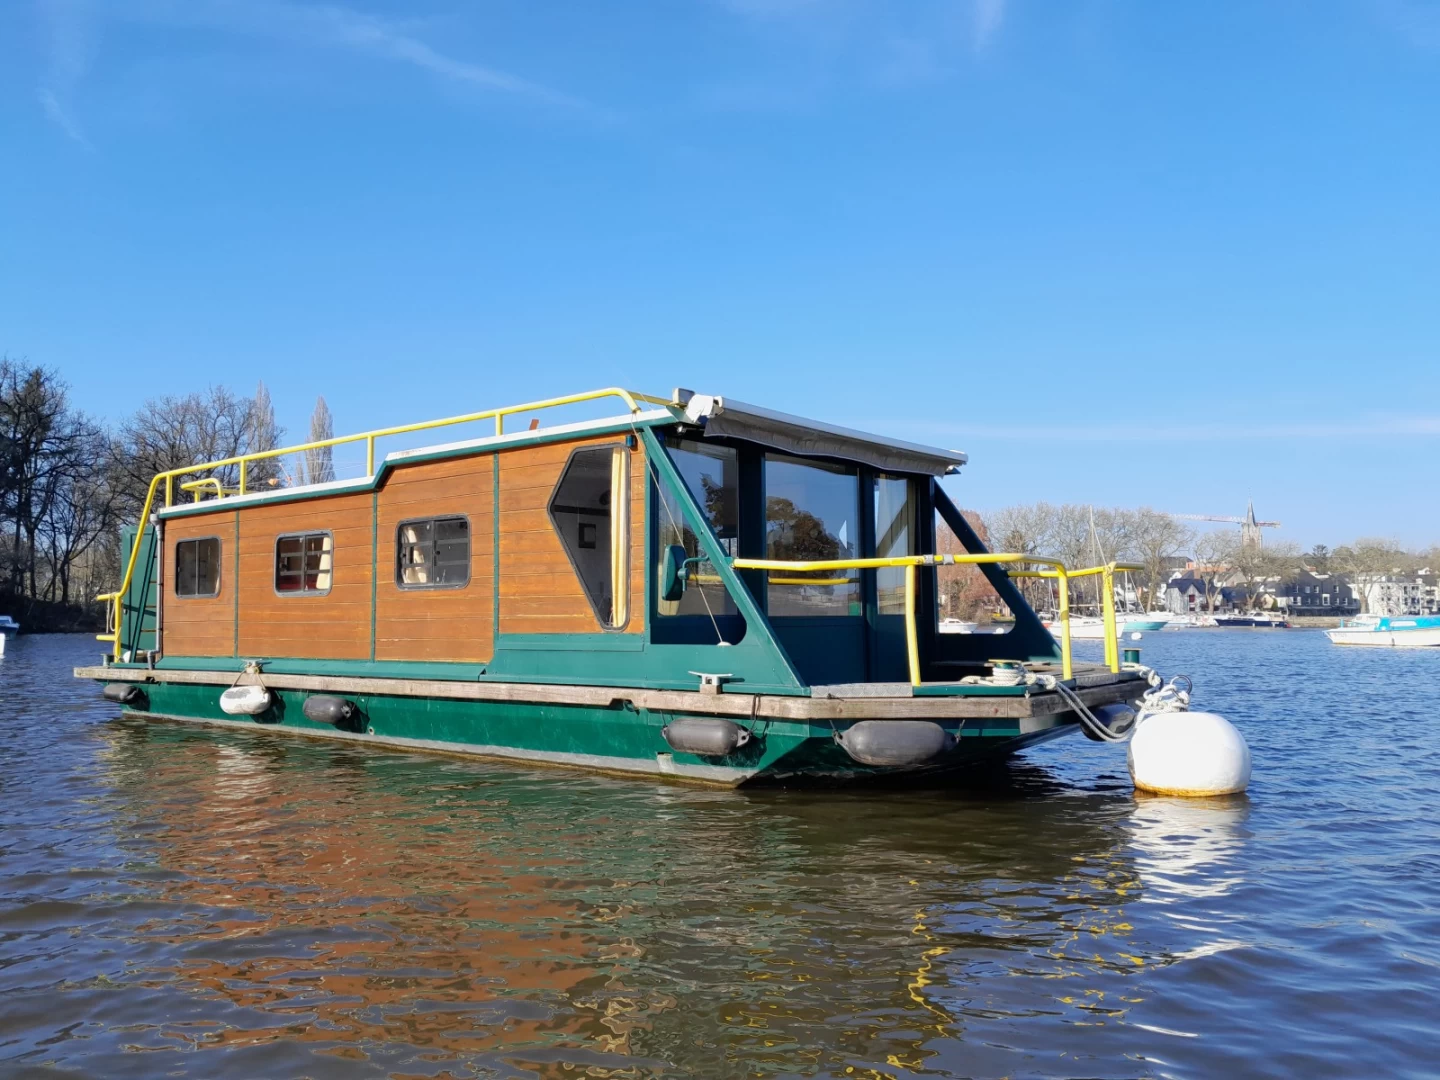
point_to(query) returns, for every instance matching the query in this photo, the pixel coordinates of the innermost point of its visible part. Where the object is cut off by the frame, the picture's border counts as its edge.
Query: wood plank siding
(200, 625)
(456, 624)
(539, 592)
(365, 614)
(331, 626)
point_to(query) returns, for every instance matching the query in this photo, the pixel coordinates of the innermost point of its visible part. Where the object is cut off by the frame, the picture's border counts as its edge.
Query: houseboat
(692, 587)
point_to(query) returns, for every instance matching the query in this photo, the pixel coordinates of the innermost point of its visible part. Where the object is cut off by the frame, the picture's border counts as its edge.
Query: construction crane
(1249, 528)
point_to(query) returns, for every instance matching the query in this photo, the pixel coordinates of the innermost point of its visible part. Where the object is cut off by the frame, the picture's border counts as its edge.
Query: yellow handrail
(910, 562)
(631, 399)
(1107, 601)
(197, 486)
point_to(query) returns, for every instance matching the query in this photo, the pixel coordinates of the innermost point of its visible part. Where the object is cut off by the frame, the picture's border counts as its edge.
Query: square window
(197, 567)
(433, 553)
(303, 564)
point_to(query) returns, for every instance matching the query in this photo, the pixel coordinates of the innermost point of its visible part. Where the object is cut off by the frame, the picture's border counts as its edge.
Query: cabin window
(197, 567)
(812, 513)
(894, 536)
(590, 512)
(433, 553)
(712, 473)
(302, 564)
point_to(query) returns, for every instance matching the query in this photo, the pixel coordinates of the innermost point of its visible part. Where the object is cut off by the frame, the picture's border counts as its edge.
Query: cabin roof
(799, 435)
(714, 415)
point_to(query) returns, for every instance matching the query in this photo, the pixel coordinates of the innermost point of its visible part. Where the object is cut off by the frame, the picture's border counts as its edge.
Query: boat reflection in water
(311, 906)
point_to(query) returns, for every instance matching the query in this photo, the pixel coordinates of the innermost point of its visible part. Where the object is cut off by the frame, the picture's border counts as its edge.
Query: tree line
(1086, 536)
(68, 482)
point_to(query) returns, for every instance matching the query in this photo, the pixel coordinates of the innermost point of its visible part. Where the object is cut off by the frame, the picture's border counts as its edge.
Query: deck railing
(165, 481)
(911, 563)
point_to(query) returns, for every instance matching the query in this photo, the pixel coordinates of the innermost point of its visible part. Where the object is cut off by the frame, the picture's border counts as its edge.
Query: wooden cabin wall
(199, 625)
(539, 592)
(333, 626)
(437, 624)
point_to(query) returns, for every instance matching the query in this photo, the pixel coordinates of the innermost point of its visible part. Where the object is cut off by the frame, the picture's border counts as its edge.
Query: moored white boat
(1146, 620)
(8, 626)
(1402, 632)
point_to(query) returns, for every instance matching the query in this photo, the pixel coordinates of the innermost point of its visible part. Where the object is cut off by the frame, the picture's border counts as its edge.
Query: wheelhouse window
(812, 513)
(712, 473)
(302, 564)
(894, 536)
(590, 512)
(433, 553)
(197, 567)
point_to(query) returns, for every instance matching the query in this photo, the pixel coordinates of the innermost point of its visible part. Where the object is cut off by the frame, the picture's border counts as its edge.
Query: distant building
(1305, 592)
(1185, 595)
(1401, 594)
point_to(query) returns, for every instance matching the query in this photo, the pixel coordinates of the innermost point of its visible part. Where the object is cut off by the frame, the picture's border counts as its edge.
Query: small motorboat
(1406, 632)
(1257, 620)
(8, 626)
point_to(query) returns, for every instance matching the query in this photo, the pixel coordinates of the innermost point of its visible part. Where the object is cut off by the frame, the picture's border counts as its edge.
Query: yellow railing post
(912, 634)
(370, 456)
(1064, 590)
(243, 463)
(169, 489)
(1112, 645)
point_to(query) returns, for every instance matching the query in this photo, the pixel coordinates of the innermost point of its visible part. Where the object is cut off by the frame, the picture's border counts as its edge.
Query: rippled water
(178, 901)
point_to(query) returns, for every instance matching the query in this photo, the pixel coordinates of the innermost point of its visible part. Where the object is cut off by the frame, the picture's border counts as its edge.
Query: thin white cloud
(334, 26)
(1376, 426)
(68, 32)
(989, 16)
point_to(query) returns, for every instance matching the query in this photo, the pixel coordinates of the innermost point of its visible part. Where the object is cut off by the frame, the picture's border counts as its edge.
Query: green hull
(622, 739)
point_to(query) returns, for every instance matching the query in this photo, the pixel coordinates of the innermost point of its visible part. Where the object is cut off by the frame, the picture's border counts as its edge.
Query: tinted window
(433, 553)
(591, 516)
(302, 564)
(712, 473)
(197, 567)
(894, 535)
(812, 512)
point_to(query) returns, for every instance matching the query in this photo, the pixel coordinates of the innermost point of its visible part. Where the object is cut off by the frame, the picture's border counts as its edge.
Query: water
(178, 901)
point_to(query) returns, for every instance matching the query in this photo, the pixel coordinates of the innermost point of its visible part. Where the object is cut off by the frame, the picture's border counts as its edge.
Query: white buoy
(245, 700)
(1188, 753)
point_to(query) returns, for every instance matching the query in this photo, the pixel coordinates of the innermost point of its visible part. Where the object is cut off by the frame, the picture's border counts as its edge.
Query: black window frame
(405, 586)
(605, 625)
(302, 591)
(219, 550)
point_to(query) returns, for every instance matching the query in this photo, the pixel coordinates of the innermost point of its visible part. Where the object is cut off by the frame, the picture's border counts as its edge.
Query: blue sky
(1134, 253)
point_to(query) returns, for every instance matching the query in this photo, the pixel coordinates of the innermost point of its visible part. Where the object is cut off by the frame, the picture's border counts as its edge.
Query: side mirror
(674, 574)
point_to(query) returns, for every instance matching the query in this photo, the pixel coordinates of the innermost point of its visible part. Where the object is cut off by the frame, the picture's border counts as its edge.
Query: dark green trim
(596, 641)
(374, 562)
(495, 555)
(235, 603)
(759, 634)
(954, 690)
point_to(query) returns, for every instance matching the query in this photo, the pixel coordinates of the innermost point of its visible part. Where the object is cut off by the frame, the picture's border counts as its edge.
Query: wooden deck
(1095, 686)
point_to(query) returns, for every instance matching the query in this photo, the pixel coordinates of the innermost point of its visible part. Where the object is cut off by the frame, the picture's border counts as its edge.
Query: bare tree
(172, 432)
(1155, 538)
(320, 461)
(1214, 552)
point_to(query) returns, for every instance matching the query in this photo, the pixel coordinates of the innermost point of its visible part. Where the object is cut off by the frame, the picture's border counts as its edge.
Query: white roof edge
(336, 487)
(703, 406)
(521, 436)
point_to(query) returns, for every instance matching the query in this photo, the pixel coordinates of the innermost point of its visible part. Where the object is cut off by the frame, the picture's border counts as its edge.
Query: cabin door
(894, 520)
(813, 512)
